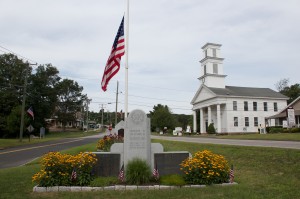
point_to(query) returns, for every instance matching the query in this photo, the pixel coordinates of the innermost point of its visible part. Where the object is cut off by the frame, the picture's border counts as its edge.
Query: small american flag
(74, 175)
(155, 173)
(121, 174)
(231, 175)
(30, 112)
(113, 62)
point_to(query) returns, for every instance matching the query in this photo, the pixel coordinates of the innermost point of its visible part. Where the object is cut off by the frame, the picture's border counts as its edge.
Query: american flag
(30, 112)
(121, 174)
(113, 62)
(74, 175)
(231, 175)
(155, 173)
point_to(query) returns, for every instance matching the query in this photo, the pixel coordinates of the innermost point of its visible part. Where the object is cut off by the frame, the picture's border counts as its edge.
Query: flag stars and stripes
(114, 60)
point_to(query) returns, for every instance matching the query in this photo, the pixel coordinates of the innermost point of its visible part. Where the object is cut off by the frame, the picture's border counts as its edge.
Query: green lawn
(260, 172)
(275, 136)
(4, 143)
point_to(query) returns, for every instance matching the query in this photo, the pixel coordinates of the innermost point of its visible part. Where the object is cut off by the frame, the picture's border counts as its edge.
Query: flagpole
(126, 57)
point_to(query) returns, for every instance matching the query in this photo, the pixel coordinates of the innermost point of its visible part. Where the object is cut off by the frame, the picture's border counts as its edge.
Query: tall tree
(292, 91)
(42, 95)
(69, 100)
(12, 75)
(161, 117)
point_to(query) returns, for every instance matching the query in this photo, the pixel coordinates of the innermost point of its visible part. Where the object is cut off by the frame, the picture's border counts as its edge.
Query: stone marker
(137, 137)
(107, 164)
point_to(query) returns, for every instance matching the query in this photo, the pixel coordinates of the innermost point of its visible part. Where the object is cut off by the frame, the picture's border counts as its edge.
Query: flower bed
(65, 170)
(105, 143)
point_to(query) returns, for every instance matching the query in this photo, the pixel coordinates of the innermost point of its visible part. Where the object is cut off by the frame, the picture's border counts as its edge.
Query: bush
(57, 169)
(205, 168)
(137, 172)
(211, 129)
(174, 180)
(275, 130)
(108, 140)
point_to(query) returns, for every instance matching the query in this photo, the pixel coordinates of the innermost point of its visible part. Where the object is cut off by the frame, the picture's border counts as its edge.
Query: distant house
(54, 124)
(232, 109)
(281, 118)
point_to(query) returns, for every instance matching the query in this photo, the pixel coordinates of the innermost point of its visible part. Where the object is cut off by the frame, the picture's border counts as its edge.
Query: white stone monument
(137, 143)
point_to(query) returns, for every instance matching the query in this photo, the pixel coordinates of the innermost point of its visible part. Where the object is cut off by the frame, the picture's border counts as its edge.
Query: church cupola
(212, 66)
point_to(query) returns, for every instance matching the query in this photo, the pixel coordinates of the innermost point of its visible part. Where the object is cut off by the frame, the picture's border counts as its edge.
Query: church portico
(213, 113)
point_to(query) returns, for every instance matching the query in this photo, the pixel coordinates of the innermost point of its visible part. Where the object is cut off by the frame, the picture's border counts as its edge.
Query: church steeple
(212, 66)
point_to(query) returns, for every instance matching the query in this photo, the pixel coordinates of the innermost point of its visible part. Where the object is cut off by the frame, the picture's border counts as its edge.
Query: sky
(260, 43)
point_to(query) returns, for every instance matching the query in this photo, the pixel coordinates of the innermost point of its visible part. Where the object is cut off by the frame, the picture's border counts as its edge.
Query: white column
(218, 118)
(195, 121)
(209, 115)
(201, 121)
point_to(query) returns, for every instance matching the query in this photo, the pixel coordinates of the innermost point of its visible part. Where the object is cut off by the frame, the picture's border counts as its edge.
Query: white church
(231, 109)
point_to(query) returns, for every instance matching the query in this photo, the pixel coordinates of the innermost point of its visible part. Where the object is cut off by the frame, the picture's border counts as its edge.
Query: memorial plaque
(108, 164)
(137, 137)
(169, 163)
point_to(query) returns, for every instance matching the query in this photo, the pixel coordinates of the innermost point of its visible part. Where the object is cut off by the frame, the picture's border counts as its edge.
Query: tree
(42, 95)
(12, 76)
(69, 102)
(292, 91)
(161, 117)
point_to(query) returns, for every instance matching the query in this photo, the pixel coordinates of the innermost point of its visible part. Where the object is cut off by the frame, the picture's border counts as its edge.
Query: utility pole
(102, 109)
(23, 101)
(87, 113)
(116, 114)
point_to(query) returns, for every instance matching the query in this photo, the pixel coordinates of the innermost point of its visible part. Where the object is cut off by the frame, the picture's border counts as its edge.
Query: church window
(215, 68)
(245, 106)
(254, 106)
(255, 121)
(246, 121)
(275, 106)
(236, 121)
(235, 105)
(214, 52)
(265, 106)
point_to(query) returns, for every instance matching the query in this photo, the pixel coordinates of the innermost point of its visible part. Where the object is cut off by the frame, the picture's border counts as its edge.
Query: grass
(269, 136)
(5, 143)
(260, 172)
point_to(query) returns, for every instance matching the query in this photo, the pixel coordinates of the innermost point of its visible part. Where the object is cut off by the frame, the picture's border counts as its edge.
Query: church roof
(247, 92)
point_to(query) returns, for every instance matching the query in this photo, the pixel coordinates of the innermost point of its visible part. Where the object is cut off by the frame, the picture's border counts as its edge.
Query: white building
(231, 109)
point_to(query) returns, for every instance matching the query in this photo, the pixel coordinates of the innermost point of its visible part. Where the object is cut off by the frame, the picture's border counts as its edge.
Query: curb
(120, 187)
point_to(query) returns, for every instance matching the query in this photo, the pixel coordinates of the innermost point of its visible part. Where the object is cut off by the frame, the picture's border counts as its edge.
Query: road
(21, 155)
(257, 143)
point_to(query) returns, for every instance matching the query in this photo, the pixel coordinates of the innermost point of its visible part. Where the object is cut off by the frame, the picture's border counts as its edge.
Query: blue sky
(260, 43)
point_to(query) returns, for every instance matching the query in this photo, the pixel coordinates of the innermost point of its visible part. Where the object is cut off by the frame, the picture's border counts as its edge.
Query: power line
(18, 55)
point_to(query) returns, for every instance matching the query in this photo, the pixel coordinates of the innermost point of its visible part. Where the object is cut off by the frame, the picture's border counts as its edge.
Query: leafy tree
(69, 102)
(292, 91)
(12, 76)
(42, 95)
(161, 117)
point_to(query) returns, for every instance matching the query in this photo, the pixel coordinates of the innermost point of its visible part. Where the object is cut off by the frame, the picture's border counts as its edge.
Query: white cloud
(260, 43)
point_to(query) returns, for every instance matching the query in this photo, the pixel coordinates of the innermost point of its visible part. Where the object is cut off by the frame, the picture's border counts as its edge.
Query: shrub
(211, 129)
(205, 167)
(174, 180)
(275, 130)
(137, 172)
(57, 169)
(108, 140)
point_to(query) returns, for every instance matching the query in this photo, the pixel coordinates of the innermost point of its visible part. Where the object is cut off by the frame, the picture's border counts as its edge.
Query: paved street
(258, 143)
(21, 155)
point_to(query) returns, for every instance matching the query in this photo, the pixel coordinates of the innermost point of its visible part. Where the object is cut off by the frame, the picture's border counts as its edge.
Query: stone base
(120, 187)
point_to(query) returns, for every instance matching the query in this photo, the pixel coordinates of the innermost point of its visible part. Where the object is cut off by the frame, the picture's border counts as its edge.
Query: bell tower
(212, 66)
